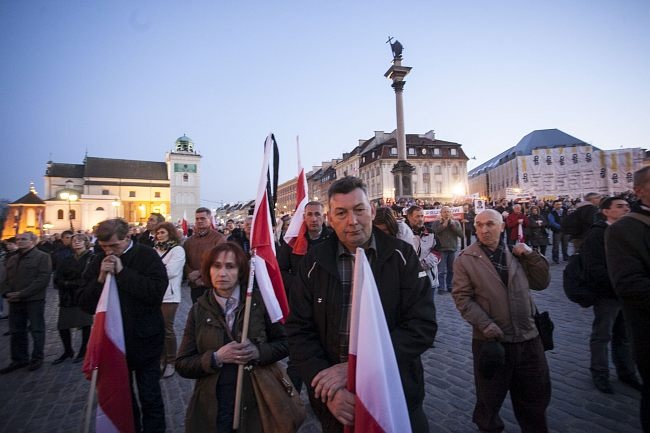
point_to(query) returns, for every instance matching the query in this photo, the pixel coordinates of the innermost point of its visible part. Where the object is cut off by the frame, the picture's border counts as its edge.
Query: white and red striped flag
(373, 376)
(106, 353)
(295, 235)
(267, 270)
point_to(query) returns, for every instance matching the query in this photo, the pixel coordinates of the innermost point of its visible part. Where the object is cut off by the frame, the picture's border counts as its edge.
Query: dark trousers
(149, 415)
(66, 339)
(638, 321)
(560, 240)
(20, 315)
(169, 314)
(446, 270)
(526, 376)
(609, 325)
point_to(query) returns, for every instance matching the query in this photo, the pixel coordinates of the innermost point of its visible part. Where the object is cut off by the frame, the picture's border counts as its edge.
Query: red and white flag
(106, 353)
(267, 270)
(295, 235)
(373, 375)
(184, 222)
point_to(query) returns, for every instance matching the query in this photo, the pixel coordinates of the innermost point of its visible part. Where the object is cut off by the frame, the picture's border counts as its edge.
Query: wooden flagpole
(244, 336)
(89, 404)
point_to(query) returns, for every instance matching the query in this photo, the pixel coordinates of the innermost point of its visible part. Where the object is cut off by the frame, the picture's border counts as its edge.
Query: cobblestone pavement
(53, 398)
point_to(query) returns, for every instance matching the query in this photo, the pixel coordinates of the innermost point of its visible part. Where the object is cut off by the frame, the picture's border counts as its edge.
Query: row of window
(156, 194)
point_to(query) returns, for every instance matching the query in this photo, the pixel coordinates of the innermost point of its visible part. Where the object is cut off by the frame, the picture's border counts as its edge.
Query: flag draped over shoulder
(106, 353)
(295, 235)
(373, 375)
(267, 270)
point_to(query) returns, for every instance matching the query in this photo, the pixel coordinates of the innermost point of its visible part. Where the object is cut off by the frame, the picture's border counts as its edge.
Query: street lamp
(116, 203)
(70, 197)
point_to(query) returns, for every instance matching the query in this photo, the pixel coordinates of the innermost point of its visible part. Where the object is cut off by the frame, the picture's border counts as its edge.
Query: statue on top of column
(395, 47)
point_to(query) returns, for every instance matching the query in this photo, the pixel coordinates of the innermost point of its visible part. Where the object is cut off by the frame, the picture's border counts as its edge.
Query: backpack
(575, 284)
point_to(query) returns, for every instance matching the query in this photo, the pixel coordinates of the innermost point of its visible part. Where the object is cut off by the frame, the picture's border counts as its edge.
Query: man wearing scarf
(491, 289)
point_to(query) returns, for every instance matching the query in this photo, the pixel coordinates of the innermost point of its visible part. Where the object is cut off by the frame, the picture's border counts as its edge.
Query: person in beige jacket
(491, 289)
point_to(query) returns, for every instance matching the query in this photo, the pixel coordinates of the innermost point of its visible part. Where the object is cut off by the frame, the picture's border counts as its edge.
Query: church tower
(184, 170)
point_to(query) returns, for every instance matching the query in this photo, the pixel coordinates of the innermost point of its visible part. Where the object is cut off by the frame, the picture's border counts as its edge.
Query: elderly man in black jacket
(141, 281)
(318, 326)
(28, 274)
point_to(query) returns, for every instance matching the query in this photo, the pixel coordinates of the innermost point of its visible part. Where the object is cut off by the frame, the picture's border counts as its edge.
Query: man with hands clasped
(141, 280)
(491, 289)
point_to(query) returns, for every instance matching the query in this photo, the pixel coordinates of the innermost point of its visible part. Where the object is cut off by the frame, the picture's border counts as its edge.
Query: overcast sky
(125, 79)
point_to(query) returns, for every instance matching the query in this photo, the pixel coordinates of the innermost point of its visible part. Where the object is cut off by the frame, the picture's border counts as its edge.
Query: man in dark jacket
(560, 239)
(318, 328)
(28, 274)
(141, 281)
(609, 323)
(628, 263)
(148, 236)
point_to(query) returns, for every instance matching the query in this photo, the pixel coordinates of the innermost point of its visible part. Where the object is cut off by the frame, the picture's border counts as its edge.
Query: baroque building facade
(82, 195)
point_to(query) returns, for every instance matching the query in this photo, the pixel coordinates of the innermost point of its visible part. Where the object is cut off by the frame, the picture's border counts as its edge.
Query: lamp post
(116, 204)
(69, 195)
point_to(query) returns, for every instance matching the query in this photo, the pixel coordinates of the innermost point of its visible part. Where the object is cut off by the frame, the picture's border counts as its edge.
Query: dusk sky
(125, 79)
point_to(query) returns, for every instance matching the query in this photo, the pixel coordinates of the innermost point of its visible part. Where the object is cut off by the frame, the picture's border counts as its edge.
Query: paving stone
(53, 399)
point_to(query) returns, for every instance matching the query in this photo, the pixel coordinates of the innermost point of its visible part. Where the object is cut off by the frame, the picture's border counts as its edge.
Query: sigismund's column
(402, 170)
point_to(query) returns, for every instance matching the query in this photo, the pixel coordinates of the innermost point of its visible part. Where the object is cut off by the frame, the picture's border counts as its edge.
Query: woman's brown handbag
(279, 404)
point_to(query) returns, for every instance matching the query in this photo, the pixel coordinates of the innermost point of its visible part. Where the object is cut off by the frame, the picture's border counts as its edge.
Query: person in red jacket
(515, 220)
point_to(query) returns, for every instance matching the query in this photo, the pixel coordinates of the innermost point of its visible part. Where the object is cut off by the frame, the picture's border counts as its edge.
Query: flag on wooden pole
(295, 235)
(373, 376)
(267, 270)
(106, 353)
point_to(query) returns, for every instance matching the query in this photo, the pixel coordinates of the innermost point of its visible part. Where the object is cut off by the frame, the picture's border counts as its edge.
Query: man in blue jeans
(28, 274)
(448, 231)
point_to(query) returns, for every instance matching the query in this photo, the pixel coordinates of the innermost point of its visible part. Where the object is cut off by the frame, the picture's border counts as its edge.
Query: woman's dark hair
(171, 229)
(240, 259)
(384, 215)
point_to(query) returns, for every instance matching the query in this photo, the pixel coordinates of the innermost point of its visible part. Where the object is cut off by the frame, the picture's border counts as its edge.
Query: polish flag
(373, 376)
(267, 270)
(184, 222)
(295, 235)
(106, 353)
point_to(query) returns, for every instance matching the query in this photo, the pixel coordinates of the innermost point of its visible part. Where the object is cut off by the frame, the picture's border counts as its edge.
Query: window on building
(453, 152)
(436, 151)
(100, 209)
(393, 151)
(437, 170)
(411, 151)
(73, 214)
(59, 214)
(454, 170)
(105, 192)
(131, 193)
(156, 194)
(438, 187)
(186, 177)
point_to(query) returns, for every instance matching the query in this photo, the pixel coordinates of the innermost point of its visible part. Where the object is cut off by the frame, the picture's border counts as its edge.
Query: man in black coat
(608, 324)
(318, 328)
(141, 281)
(628, 263)
(148, 237)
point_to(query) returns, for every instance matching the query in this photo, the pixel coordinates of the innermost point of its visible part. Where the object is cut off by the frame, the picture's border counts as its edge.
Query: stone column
(402, 170)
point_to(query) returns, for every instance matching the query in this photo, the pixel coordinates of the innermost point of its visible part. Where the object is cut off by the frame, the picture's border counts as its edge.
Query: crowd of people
(488, 261)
